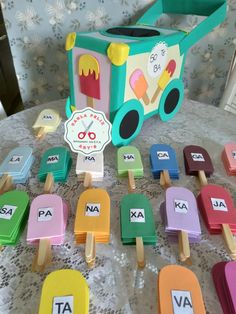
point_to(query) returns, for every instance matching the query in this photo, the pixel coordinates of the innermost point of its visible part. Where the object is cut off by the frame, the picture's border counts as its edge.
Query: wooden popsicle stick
(184, 249)
(49, 182)
(202, 178)
(87, 180)
(165, 180)
(3, 181)
(229, 239)
(155, 95)
(140, 252)
(40, 133)
(43, 251)
(146, 99)
(9, 184)
(89, 102)
(90, 253)
(132, 185)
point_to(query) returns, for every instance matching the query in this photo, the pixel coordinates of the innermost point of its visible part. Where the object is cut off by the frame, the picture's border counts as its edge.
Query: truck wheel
(127, 122)
(171, 99)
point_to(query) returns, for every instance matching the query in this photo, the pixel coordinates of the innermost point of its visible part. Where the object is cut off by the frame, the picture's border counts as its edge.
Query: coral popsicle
(139, 85)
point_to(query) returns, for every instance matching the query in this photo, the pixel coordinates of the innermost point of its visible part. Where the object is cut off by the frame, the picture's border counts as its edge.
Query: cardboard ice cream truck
(134, 72)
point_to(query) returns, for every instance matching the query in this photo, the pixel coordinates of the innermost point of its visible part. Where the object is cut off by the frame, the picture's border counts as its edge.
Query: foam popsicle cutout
(179, 291)
(46, 225)
(182, 217)
(90, 168)
(89, 77)
(139, 85)
(55, 166)
(219, 213)
(15, 167)
(129, 163)
(64, 290)
(229, 158)
(164, 163)
(92, 221)
(14, 207)
(137, 224)
(164, 79)
(198, 163)
(47, 121)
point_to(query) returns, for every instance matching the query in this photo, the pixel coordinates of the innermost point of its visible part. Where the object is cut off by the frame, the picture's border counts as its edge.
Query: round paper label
(157, 59)
(87, 131)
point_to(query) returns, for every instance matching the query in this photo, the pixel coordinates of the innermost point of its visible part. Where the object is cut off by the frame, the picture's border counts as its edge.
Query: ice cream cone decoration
(164, 79)
(89, 76)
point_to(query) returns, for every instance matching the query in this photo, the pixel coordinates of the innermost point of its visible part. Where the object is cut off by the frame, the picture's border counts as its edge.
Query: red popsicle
(219, 213)
(89, 76)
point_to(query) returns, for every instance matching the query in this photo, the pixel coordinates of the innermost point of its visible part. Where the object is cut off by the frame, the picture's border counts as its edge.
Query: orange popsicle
(139, 85)
(92, 221)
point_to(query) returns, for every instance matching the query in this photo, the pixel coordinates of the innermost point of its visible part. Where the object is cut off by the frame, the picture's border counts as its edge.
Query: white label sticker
(157, 59)
(53, 159)
(15, 159)
(45, 214)
(48, 117)
(197, 157)
(181, 206)
(234, 154)
(137, 215)
(219, 204)
(89, 159)
(7, 211)
(182, 302)
(63, 305)
(163, 155)
(129, 157)
(92, 209)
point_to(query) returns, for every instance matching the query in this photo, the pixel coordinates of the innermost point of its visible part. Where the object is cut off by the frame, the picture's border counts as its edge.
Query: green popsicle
(137, 222)
(13, 215)
(129, 164)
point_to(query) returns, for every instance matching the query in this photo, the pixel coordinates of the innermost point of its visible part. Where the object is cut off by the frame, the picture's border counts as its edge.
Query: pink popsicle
(139, 85)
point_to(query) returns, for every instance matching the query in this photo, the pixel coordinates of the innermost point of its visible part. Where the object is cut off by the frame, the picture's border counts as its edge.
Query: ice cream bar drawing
(129, 163)
(92, 221)
(139, 85)
(47, 121)
(179, 291)
(54, 167)
(181, 218)
(14, 207)
(164, 79)
(89, 77)
(198, 163)
(137, 224)
(90, 168)
(219, 213)
(164, 164)
(15, 168)
(64, 290)
(46, 226)
(229, 158)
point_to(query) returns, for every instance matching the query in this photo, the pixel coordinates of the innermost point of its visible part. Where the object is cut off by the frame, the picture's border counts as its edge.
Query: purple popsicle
(181, 214)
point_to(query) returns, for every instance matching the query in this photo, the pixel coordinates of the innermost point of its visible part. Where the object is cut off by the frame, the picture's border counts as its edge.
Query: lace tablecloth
(116, 286)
